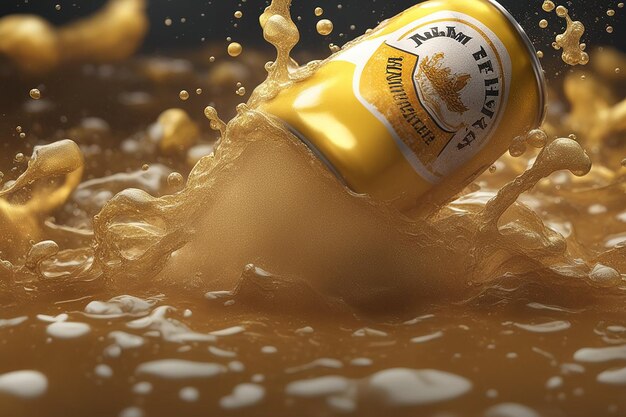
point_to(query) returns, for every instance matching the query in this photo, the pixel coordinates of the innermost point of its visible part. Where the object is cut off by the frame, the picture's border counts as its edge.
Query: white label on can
(440, 85)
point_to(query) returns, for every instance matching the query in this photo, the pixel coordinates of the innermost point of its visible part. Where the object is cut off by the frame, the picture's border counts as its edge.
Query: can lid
(537, 68)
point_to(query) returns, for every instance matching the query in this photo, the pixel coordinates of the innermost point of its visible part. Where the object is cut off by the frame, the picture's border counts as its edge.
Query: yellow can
(418, 108)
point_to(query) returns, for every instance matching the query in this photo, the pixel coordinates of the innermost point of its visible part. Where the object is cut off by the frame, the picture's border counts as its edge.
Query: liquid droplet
(548, 6)
(319, 11)
(174, 179)
(569, 41)
(35, 94)
(537, 138)
(234, 49)
(324, 27)
(184, 95)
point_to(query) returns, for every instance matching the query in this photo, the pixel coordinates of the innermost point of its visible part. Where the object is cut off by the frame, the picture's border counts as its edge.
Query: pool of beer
(167, 355)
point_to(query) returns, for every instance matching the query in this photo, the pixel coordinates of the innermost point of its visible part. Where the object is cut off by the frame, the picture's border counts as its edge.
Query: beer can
(419, 107)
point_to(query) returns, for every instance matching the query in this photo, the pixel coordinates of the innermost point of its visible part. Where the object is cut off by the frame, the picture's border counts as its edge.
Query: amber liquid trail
(254, 282)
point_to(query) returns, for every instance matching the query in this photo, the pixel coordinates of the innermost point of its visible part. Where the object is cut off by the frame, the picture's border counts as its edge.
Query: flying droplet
(198, 91)
(537, 138)
(238, 14)
(174, 179)
(543, 23)
(57, 6)
(234, 49)
(241, 91)
(319, 11)
(168, 22)
(145, 167)
(324, 27)
(19, 157)
(548, 6)
(184, 95)
(609, 29)
(35, 94)
(610, 12)
(539, 54)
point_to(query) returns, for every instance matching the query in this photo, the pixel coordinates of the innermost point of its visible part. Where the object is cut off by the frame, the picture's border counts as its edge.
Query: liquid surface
(151, 270)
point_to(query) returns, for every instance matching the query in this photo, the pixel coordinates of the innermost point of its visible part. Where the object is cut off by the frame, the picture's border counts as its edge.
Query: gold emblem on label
(437, 81)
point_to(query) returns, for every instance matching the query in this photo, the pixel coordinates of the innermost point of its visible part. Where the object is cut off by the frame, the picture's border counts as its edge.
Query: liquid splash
(262, 244)
(569, 41)
(112, 34)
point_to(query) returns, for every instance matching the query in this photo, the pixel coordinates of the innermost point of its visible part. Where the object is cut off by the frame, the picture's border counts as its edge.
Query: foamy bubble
(103, 371)
(142, 388)
(427, 338)
(605, 276)
(549, 327)
(24, 384)
(189, 394)
(510, 410)
(603, 354)
(68, 330)
(613, 377)
(230, 331)
(179, 369)
(243, 395)
(409, 387)
(318, 387)
(132, 412)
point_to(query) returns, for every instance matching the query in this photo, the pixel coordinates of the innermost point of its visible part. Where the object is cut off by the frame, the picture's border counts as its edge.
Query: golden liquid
(241, 277)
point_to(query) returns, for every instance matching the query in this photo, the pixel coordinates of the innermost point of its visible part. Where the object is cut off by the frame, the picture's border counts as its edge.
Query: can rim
(538, 69)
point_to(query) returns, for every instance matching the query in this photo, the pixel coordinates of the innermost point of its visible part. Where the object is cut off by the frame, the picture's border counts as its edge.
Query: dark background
(213, 21)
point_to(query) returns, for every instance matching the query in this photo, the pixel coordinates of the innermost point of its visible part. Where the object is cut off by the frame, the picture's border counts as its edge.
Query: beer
(415, 110)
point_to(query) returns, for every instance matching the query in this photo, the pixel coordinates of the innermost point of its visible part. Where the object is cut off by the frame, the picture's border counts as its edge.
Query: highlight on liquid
(189, 273)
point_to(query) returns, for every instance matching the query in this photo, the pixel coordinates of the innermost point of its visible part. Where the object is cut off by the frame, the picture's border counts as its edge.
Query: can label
(439, 84)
